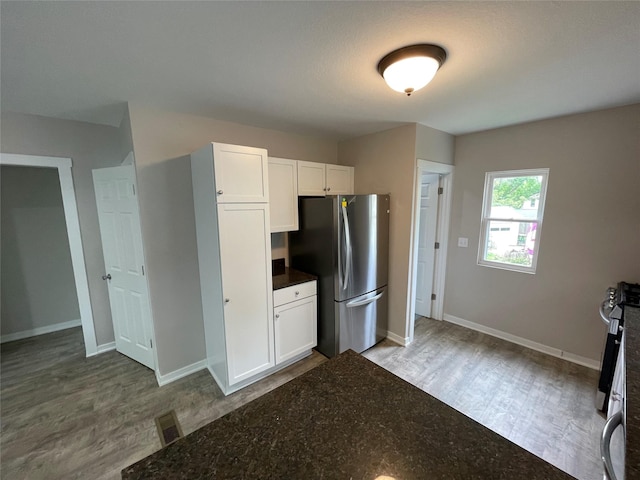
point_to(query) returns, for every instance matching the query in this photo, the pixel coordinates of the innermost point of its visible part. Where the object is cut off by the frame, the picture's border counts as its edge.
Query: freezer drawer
(363, 320)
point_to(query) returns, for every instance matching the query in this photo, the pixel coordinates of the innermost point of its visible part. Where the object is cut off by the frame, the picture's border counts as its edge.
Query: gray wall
(589, 237)
(385, 162)
(37, 283)
(89, 146)
(162, 142)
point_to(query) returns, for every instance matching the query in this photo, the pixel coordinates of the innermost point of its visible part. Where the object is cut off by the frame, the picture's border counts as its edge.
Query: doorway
(63, 167)
(430, 233)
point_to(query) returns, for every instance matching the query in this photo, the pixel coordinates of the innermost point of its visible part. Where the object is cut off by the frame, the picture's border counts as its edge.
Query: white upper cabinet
(320, 179)
(339, 180)
(241, 173)
(311, 181)
(283, 194)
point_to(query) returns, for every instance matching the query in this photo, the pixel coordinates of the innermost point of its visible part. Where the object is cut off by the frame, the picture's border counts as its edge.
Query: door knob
(106, 277)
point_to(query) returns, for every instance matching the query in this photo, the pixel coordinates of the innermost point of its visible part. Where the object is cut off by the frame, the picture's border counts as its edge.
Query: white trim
(539, 347)
(106, 347)
(73, 231)
(33, 332)
(442, 236)
(398, 339)
(180, 373)
(485, 219)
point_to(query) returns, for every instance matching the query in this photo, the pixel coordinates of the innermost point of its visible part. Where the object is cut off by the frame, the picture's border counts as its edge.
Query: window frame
(485, 219)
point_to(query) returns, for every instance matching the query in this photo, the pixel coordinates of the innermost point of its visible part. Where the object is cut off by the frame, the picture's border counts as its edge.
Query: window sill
(505, 266)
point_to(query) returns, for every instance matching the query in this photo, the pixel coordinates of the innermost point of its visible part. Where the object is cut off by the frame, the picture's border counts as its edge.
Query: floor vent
(168, 428)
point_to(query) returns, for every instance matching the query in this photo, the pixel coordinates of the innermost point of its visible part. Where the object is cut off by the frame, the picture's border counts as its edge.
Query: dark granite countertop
(632, 358)
(291, 277)
(345, 419)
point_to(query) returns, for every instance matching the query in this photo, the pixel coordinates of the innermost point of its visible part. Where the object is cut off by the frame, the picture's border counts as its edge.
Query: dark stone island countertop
(291, 277)
(345, 419)
(632, 358)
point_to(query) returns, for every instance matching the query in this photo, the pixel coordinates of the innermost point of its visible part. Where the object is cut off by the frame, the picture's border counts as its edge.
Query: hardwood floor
(542, 403)
(66, 416)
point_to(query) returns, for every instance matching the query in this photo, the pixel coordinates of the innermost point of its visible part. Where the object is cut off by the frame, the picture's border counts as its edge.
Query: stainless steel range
(611, 395)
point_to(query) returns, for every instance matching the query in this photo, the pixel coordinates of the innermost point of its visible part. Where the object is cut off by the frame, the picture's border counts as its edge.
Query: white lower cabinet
(296, 320)
(248, 327)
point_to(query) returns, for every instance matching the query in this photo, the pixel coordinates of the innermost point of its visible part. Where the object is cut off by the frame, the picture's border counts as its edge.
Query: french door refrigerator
(344, 241)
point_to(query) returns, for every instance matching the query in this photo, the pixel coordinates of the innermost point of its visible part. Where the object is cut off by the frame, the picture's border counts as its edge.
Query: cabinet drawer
(294, 292)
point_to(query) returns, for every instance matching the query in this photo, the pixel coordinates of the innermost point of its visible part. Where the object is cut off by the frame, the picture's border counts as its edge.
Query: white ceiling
(310, 66)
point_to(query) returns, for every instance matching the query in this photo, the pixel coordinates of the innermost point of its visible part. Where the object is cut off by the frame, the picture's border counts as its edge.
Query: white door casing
(121, 234)
(426, 243)
(63, 165)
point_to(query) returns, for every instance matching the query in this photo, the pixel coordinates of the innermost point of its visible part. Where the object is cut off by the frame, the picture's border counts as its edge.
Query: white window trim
(486, 207)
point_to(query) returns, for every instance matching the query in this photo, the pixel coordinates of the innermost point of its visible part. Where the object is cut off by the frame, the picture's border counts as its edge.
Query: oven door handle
(605, 444)
(603, 314)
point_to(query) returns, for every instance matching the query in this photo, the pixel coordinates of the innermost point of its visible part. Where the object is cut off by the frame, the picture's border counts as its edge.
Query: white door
(245, 258)
(121, 235)
(426, 243)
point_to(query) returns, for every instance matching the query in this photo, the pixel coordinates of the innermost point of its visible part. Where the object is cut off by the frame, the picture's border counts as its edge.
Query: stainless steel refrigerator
(344, 240)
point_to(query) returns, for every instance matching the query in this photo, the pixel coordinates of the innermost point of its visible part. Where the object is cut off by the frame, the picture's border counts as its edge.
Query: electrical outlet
(463, 242)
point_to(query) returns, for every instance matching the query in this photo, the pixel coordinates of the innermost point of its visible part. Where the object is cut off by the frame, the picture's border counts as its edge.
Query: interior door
(121, 235)
(426, 243)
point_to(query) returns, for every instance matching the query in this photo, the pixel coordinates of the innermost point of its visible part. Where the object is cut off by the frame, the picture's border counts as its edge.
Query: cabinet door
(311, 179)
(339, 180)
(283, 194)
(296, 328)
(241, 174)
(245, 254)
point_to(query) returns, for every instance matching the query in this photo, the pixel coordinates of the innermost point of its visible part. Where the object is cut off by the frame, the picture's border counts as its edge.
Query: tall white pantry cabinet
(231, 195)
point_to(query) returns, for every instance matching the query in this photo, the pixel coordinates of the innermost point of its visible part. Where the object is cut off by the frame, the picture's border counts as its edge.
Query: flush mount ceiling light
(408, 69)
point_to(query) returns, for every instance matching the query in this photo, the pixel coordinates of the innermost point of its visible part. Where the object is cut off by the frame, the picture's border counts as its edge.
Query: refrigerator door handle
(359, 303)
(347, 237)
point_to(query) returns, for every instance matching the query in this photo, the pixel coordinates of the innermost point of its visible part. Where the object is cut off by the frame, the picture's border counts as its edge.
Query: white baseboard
(106, 347)
(555, 352)
(404, 341)
(180, 373)
(10, 337)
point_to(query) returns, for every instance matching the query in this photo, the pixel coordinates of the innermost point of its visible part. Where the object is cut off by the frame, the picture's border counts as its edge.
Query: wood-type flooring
(65, 416)
(542, 403)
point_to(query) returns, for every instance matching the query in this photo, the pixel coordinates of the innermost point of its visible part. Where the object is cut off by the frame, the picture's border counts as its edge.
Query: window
(512, 219)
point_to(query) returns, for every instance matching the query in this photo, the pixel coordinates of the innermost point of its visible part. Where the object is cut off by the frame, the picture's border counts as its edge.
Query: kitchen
(162, 141)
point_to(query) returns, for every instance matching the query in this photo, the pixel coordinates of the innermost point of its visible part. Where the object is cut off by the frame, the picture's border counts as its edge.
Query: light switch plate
(463, 242)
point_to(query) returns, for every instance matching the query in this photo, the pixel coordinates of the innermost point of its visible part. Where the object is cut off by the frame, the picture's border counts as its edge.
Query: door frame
(442, 236)
(63, 166)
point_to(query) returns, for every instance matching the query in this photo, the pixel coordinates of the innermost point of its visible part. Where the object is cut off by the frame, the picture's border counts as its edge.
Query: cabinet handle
(277, 315)
(297, 293)
(328, 189)
(219, 192)
(226, 300)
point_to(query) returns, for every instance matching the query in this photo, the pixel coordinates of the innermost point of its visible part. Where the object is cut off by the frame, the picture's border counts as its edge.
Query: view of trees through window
(512, 219)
